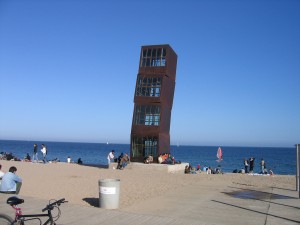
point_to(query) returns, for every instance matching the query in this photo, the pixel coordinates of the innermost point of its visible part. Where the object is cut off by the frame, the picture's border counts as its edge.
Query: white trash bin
(109, 193)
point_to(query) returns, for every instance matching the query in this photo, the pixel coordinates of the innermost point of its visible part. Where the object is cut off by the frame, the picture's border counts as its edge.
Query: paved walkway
(223, 206)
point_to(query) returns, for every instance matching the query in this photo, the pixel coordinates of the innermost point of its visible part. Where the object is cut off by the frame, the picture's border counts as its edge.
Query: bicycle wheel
(6, 220)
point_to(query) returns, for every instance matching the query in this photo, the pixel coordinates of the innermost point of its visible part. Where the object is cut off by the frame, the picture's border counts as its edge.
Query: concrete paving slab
(205, 205)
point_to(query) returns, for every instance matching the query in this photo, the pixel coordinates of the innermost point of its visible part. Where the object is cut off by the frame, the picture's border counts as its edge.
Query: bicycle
(20, 218)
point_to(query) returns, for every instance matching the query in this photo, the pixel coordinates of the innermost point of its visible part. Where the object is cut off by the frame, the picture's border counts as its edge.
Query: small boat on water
(219, 154)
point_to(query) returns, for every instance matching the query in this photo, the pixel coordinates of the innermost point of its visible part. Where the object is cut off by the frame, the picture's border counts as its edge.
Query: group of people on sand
(249, 166)
(10, 183)
(44, 151)
(208, 170)
(167, 158)
(8, 156)
(189, 170)
(123, 159)
(27, 157)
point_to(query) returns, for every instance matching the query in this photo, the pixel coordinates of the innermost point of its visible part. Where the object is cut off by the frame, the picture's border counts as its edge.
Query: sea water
(280, 160)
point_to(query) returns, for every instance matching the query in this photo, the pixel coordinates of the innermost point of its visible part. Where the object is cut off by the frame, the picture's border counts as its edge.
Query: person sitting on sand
(149, 159)
(208, 171)
(124, 161)
(55, 160)
(27, 158)
(119, 161)
(9, 156)
(187, 169)
(164, 157)
(160, 159)
(79, 161)
(192, 170)
(11, 183)
(218, 170)
(271, 172)
(168, 159)
(1, 173)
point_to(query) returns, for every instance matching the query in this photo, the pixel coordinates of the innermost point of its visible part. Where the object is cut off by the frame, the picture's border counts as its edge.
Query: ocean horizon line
(172, 145)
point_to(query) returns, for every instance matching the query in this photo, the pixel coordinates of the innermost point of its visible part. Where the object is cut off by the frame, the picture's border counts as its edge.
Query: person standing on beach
(35, 153)
(251, 162)
(262, 165)
(110, 157)
(246, 164)
(44, 151)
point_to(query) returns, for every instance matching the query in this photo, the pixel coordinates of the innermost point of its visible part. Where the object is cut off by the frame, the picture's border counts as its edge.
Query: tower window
(153, 57)
(148, 87)
(148, 115)
(144, 146)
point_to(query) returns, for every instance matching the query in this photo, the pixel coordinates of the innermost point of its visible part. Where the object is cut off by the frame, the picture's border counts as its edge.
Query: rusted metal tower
(153, 101)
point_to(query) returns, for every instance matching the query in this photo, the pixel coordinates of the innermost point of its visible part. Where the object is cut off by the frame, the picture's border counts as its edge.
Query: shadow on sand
(92, 201)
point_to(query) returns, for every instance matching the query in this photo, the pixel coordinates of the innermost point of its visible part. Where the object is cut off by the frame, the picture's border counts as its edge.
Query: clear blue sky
(68, 69)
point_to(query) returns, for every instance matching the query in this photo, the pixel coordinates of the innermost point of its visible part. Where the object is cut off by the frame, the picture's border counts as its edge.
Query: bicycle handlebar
(51, 205)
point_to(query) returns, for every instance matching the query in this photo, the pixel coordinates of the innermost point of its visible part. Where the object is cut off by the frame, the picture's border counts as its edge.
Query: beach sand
(79, 184)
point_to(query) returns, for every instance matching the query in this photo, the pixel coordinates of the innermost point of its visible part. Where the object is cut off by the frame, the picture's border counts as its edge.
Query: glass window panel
(157, 92)
(159, 62)
(164, 52)
(163, 62)
(149, 52)
(139, 81)
(148, 87)
(153, 62)
(154, 52)
(152, 92)
(159, 52)
(144, 53)
(144, 146)
(143, 62)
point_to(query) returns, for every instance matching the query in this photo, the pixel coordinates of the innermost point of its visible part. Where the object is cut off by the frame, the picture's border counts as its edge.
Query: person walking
(35, 153)
(44, 151)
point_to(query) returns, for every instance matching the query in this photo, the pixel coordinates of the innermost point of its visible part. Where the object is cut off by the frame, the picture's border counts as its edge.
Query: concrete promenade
(195, 205)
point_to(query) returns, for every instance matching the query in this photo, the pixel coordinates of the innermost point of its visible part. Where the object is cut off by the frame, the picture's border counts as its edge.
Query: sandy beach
(79, 184)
